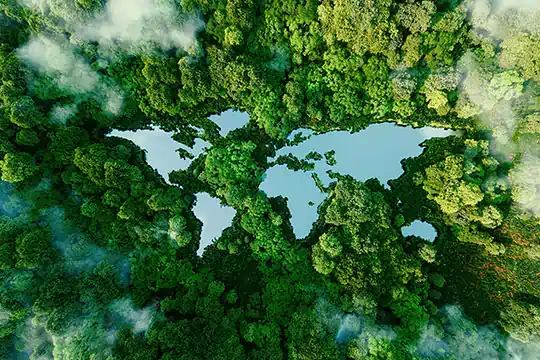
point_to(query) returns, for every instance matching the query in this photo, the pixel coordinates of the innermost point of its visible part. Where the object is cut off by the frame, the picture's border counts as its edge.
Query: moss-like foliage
(98, 253)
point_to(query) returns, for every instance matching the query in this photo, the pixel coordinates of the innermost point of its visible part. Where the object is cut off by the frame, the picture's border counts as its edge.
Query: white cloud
(431, 132)
(491, 96)
(462, 339)
(4, 317)
(31, 338)
(141, 23)
(505, 18)
(61, 113)
(72, 73)
(134, 25)
(139, 319)
(525, 178)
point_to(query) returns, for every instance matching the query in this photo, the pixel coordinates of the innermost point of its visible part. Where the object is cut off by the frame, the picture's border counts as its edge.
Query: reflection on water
(375, 152)
(161, 149)
(420, 229)
(214, 217)
(161, 155)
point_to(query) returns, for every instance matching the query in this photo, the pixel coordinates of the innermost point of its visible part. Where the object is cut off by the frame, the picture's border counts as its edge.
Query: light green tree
(17, 167)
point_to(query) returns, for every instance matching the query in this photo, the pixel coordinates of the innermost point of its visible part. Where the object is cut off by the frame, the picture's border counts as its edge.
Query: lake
(375, 152)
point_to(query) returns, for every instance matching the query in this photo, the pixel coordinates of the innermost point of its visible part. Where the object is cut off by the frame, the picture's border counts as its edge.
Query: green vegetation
(98, 254)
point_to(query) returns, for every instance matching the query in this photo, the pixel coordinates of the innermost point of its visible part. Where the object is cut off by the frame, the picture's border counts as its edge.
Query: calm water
(230, 120)
(375, 152)
(160, 147)
(161, 155)
(214, 217)
(421, 229)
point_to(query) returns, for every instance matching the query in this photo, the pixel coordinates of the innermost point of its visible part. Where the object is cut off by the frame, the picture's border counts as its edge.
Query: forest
(98, 253)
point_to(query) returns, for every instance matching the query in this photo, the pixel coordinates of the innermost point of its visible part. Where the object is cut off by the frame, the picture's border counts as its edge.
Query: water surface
(161, 155)
(214, 217)
(230, 120)
(375, 152)
(421, 229)
(161, 149)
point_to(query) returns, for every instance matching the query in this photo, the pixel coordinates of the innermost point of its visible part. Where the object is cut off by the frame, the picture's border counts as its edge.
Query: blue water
(160, 149)
(420, 229)
(161, 155)
(375, 152)
(230, 120)
(214, 217)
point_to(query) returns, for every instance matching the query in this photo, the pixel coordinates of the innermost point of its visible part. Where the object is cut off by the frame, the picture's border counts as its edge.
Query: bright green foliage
(522, 176)
(458, 186)
(330, 159)
(308, 339)
(133, 346)
(470, 234)
(91, 162)
(23, 112)
(449, 32)
(98, 253)
(172, 199)
(295, 164)
(90, 4)
(436, 88)
(407, 307)
(413, 50)
(313, 155)
(530, 125)
(27, 137)
(235, 164)
(17, 167)
(522, 52)
(363, 253)
(485, 91)
(416, 17)
(403, 86)
(101, 285)
(178, 231)
(121, 175)
(521, 320)
(327, 248)
(34, 249)
(233, 36)
(65, 141)
(352, 204)
(364, 26)
(444, 185)
(428, 253)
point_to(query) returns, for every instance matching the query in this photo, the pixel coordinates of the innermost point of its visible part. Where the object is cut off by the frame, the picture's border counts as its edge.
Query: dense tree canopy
(98, 253)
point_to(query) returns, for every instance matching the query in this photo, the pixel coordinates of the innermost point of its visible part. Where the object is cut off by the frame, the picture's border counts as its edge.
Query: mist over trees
(98, 253)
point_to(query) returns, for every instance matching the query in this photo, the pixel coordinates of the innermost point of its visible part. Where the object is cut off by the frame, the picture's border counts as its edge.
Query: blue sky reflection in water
(375, 152)
(421, 229)
(214, 217)
(160, 147)
(230, 120)
(161, 155)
